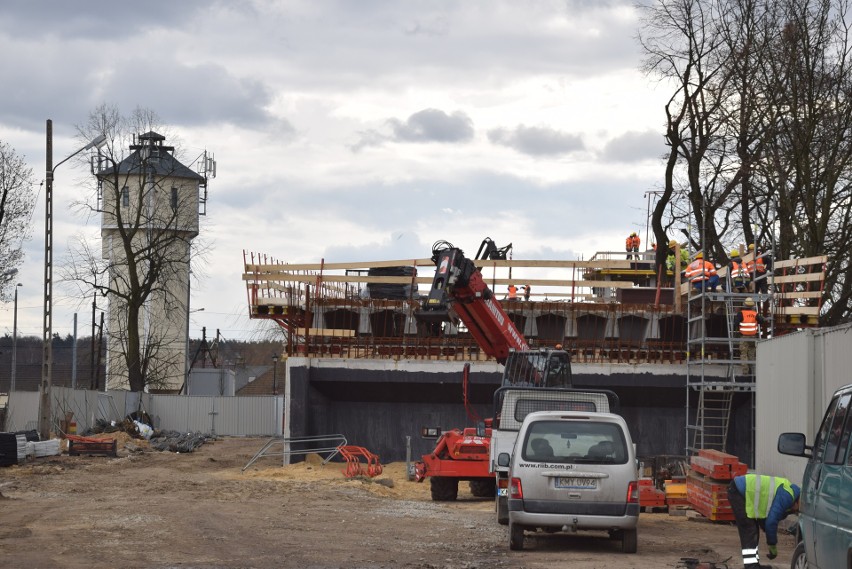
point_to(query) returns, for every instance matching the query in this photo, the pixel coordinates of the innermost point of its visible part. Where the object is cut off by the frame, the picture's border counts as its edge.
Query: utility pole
(44, 417)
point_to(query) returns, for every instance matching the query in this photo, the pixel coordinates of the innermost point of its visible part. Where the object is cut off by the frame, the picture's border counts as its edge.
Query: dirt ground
(151, 509)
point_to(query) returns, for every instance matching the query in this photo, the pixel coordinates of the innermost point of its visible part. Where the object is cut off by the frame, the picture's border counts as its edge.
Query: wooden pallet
(105, 447)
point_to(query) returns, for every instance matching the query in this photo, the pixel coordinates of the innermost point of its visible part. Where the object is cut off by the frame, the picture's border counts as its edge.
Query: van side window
(822, 433)
(844, 440)
(835, 453)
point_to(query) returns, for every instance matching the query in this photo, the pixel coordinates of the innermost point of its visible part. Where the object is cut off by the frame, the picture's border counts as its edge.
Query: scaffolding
(720, 361)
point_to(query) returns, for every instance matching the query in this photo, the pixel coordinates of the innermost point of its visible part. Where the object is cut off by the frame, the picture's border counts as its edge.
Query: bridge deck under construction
(606, 309)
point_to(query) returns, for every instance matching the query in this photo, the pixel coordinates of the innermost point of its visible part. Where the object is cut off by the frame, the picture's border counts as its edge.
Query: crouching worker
(761, 502)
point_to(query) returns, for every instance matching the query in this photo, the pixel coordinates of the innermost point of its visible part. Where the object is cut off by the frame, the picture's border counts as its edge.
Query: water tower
(151, 205)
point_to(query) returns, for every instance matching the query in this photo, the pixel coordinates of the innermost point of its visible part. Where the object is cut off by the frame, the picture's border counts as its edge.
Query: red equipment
(458, 285)
(354, 467)
(459, 290)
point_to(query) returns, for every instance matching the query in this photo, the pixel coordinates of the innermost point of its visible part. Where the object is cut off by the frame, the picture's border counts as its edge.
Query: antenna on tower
(207, 169)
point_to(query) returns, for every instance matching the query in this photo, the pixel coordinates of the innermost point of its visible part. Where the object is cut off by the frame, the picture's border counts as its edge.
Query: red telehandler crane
(459, 292)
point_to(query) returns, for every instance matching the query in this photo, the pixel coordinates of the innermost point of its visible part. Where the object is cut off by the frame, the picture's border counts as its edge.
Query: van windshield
(587, 442)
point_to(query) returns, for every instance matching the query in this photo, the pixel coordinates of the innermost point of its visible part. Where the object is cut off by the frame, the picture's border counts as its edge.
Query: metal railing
(319, 444)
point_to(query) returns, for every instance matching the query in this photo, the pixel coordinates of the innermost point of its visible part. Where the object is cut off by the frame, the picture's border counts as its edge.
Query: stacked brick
(649, 496)
(711, 471)
(676, 493)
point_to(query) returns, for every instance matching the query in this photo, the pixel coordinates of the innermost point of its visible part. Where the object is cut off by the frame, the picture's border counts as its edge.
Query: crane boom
(458, 286)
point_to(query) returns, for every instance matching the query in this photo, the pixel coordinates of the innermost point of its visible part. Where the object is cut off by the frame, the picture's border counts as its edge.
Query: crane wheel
(444, 489)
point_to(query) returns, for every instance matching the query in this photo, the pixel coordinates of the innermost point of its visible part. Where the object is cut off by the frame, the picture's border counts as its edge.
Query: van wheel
(516, 537)
(629, 540)
(799, 560)
(483, 488)
(444, 489)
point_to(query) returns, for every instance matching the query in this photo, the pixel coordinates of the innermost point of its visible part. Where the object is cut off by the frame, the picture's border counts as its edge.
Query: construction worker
(670, 258)
(738, 273)
(702, 274)
(513, 292)
(757, 269)
(631, 245)
(748, 323)
(760, 501)
(526, 289)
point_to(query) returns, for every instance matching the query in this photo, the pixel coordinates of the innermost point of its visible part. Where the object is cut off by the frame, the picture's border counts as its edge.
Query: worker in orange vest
(631, 245)
(738, 273)
(757, 269)
(748, 322)
(513, 292)
(702, 274)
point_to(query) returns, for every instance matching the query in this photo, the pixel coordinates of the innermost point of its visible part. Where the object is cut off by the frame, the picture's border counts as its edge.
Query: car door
(844, 513)
(826, 484)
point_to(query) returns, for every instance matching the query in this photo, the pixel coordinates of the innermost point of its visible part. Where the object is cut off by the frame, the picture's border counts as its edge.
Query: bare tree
(17, 201)
(808, 169)
(758, 126)
(683, 48)
(149, 207)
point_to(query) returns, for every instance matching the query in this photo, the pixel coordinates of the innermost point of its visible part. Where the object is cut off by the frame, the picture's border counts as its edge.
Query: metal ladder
(715, 395)
(714, 416)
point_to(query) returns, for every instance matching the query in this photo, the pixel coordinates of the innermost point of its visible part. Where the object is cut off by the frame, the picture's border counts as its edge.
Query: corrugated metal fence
(231, 416)
(796, 376)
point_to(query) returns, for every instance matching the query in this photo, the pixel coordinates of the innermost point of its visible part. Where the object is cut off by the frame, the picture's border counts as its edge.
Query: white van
(513, 404)
(570, 471)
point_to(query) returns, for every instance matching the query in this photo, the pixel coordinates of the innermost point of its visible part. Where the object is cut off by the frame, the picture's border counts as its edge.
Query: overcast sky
(346, 130)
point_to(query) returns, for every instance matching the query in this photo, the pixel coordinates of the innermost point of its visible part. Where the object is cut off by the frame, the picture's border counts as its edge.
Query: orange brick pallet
(707, 483)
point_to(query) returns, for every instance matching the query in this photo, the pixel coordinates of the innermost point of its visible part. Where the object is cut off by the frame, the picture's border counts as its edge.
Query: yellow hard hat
(735, 253)
(751, 246)
(749, 302)
(672, 243)
(699, 255)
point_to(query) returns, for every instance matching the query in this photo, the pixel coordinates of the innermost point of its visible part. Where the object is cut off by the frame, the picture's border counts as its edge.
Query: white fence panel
(228, 416)
(249, 415)
(22, 412)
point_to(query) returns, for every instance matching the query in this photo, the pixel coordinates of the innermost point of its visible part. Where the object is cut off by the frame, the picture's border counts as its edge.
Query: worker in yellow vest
(760, 501)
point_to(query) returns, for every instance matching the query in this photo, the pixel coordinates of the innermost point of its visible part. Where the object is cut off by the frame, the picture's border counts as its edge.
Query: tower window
(174, 199)
(125, 197)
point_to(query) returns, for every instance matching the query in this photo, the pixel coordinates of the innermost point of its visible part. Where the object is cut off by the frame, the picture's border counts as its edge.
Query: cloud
(428, 125)
(198, 94)
(634, 147)
(105, 20)
(536, 141)
(433, 125)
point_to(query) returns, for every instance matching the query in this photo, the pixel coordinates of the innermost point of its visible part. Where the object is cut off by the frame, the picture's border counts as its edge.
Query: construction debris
(174, 441)
(693, 563)
(138, 425)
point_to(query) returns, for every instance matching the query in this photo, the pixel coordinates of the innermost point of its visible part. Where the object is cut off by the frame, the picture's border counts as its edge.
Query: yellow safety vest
(760, 491)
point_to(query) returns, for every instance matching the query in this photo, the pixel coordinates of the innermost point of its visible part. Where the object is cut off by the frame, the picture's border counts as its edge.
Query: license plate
(502, 491)
(577, 483)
